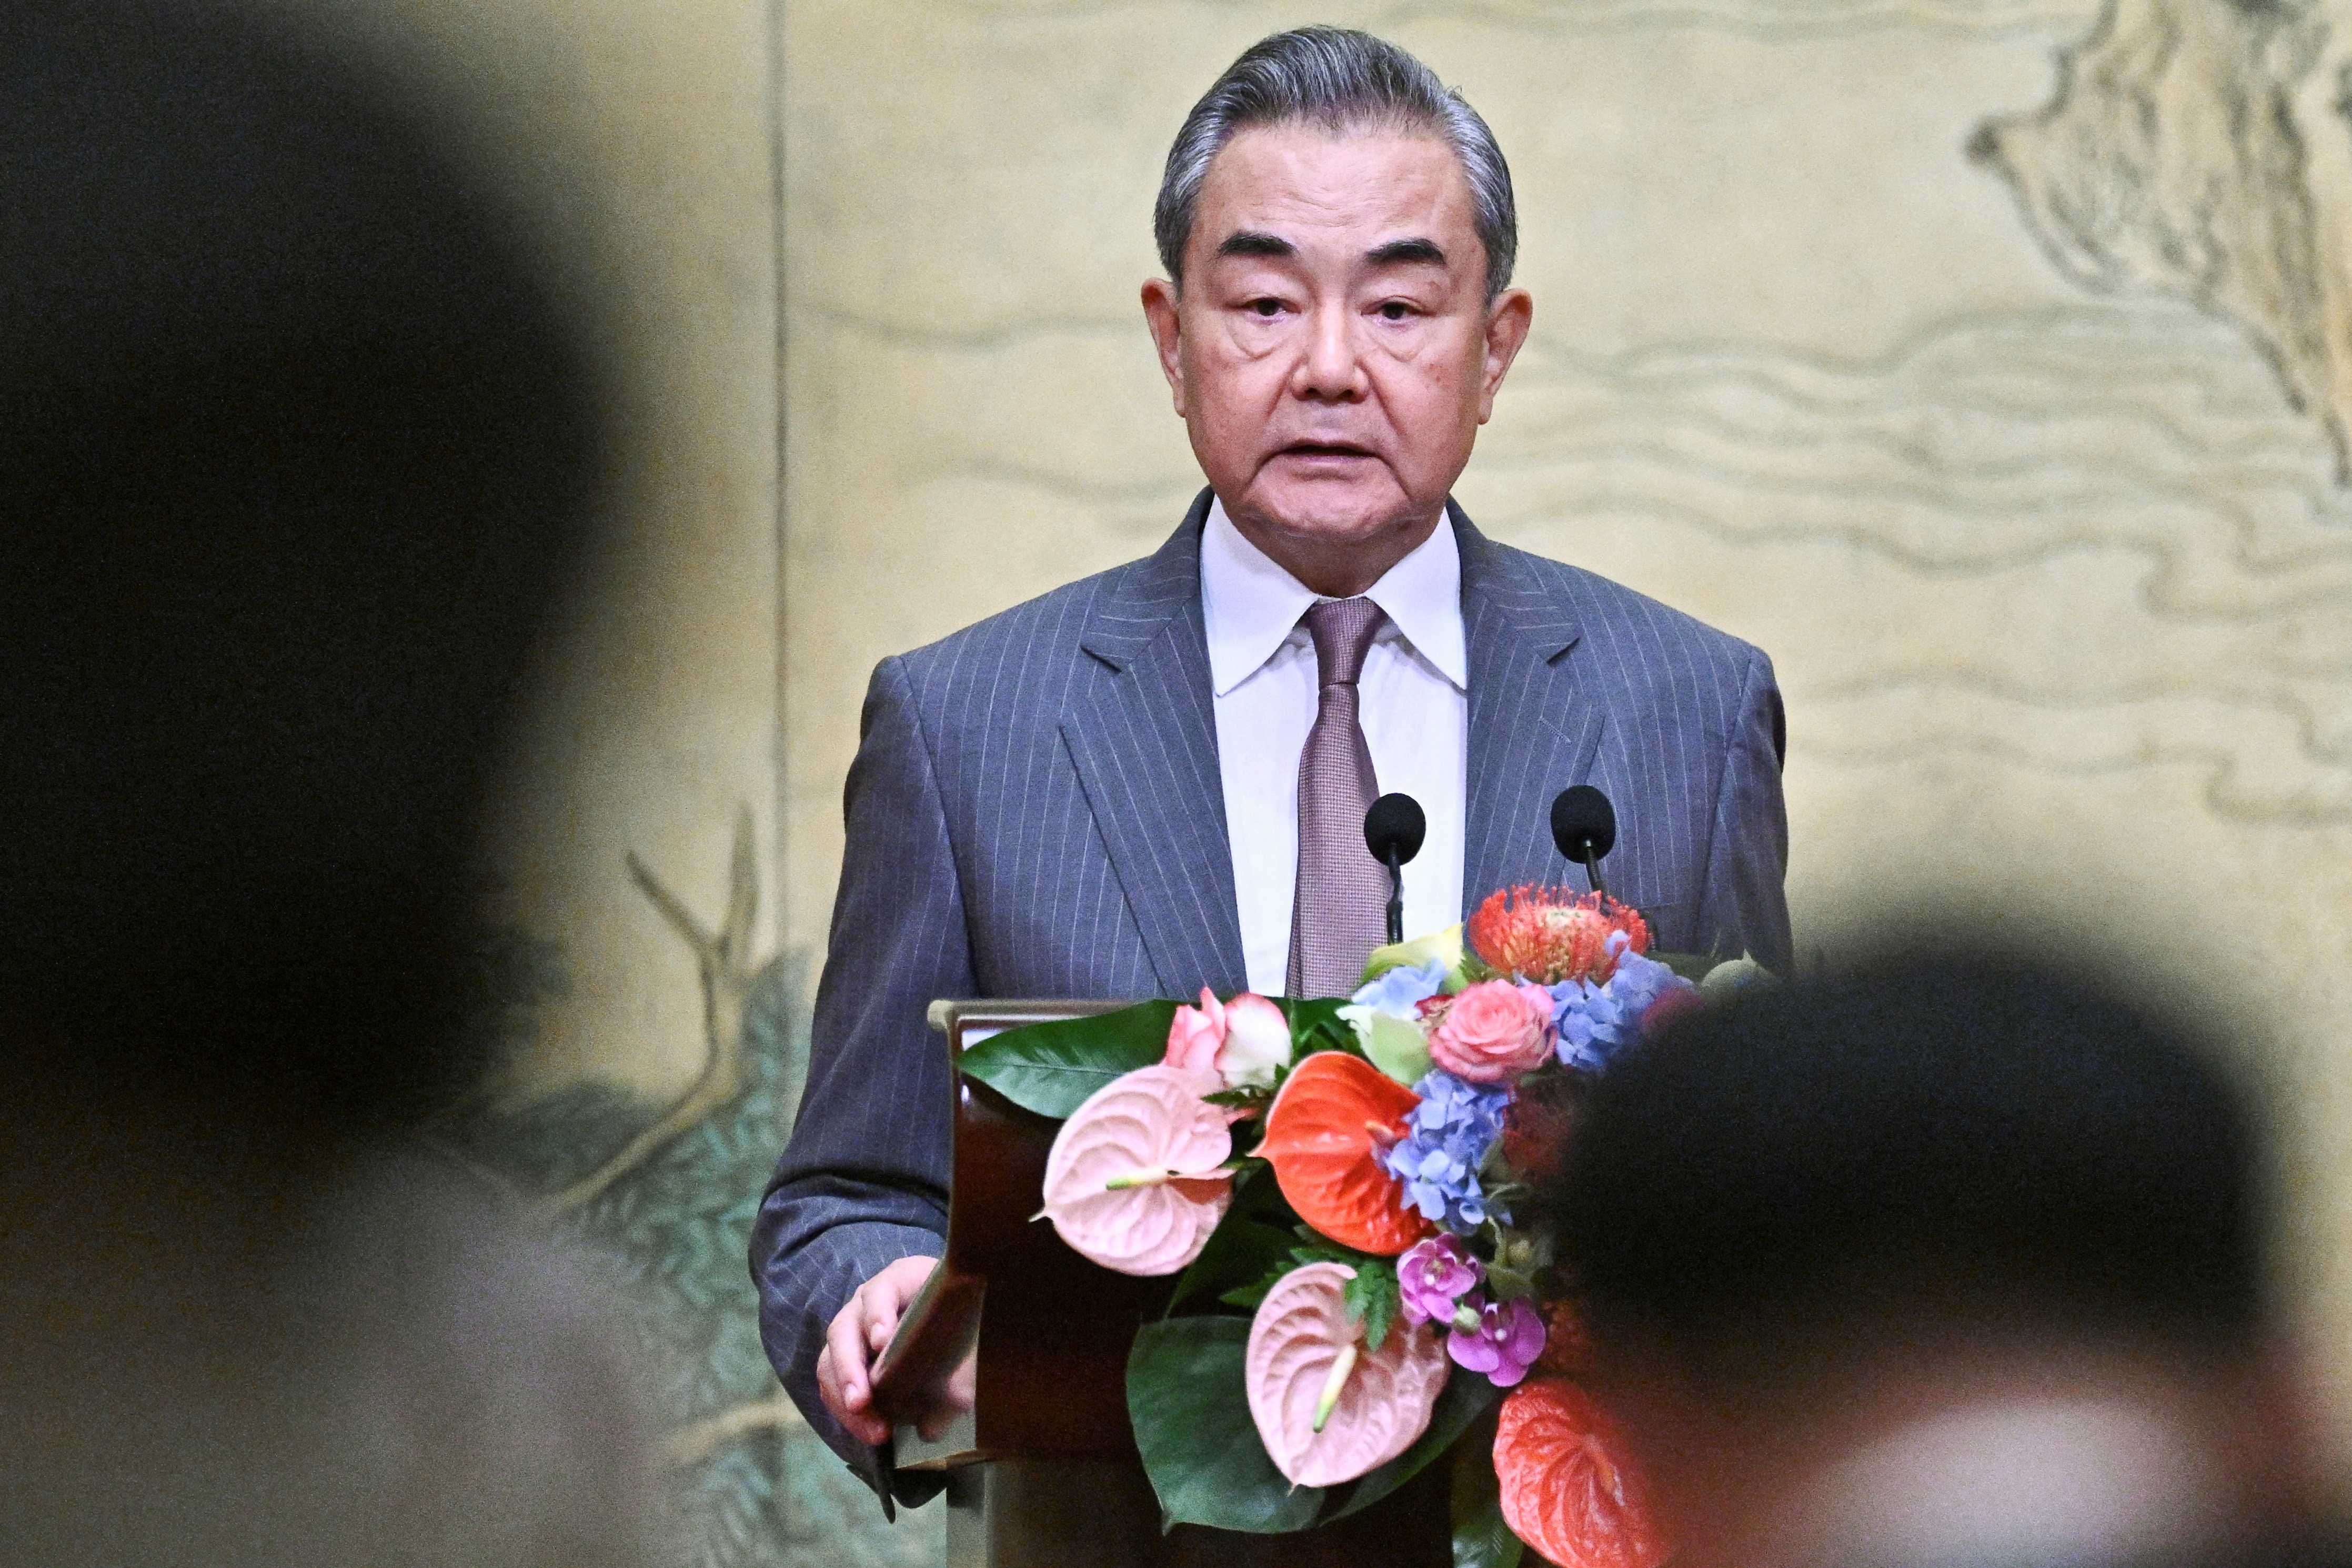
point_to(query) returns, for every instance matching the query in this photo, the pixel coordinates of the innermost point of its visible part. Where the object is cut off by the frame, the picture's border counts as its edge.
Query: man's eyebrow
(1400, 250)
(1256, 242)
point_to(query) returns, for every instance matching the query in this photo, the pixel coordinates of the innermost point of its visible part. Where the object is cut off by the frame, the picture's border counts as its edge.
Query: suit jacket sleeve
(863, 1179)
(1743, 904)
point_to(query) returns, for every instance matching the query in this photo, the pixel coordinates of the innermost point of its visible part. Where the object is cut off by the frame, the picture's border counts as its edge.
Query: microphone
(1393, 830)
(1584, 826)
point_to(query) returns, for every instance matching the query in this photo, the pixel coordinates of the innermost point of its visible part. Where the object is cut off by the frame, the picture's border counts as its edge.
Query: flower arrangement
(1333, 1185)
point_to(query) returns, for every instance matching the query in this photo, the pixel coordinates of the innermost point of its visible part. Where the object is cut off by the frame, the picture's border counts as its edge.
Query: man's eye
(1266, 307)
(1395, 311)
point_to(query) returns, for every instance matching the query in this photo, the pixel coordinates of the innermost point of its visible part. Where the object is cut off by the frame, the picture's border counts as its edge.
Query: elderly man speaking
(1154, 779)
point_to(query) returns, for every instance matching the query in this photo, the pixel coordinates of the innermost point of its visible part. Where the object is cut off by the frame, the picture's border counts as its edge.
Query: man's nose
(1331, 370)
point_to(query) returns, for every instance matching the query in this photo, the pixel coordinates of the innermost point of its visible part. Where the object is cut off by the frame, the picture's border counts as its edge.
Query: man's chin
(1332, 512)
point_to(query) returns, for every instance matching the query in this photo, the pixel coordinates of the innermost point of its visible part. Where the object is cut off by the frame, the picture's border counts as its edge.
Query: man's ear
(1507, 331)
(1167, 335)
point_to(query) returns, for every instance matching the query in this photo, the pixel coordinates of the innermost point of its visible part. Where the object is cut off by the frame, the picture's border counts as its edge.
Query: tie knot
(1343, 630)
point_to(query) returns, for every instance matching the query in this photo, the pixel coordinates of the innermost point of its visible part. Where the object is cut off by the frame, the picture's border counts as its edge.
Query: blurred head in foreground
(1946, 1260)
(294, 453)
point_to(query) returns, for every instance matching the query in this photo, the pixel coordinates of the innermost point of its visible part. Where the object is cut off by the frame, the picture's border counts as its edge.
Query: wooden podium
(1043, 1471)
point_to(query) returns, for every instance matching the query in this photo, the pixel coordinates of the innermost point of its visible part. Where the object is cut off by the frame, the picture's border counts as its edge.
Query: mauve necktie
(1341, 910)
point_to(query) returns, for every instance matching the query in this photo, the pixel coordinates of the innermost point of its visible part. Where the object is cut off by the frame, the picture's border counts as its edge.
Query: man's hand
(859, 1332)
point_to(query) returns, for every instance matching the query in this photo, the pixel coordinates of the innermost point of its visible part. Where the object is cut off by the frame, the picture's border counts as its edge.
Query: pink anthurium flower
(1135, 1181)
(1328, 1407)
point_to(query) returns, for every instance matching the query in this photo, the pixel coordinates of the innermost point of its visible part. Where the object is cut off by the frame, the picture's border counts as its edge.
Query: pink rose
(1258, 1043)
(1193, 1038)
(1494, 1032)
(1245, 1042)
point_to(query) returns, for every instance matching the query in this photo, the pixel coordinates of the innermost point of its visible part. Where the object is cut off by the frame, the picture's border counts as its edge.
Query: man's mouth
(1324, 450)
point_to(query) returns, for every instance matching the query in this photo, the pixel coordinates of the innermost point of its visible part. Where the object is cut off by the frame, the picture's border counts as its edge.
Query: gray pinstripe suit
(1035, 811)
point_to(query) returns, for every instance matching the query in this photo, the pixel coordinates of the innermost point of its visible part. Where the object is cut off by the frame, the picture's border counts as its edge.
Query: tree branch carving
(724, 956)
(706, 1439)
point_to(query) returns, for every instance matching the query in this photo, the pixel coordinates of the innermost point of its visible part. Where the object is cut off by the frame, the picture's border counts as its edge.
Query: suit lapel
(1144, 742)
(1533, 731)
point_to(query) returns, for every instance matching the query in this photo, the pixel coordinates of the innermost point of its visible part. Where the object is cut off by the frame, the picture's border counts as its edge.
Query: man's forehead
(1299, 182)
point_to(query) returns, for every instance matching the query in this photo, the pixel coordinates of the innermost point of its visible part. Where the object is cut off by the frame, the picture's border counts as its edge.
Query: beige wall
(2055, 580)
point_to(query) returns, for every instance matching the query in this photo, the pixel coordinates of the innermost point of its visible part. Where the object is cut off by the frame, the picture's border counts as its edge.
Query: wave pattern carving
(2130, 472)
(2199, 148)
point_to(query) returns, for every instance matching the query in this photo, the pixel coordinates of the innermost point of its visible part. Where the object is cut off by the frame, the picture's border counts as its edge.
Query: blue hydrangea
(1438, 1159)
(1399, 992)
(1596, 1022)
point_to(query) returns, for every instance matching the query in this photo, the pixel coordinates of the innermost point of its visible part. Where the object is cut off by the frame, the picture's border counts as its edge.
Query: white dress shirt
(1412, 697)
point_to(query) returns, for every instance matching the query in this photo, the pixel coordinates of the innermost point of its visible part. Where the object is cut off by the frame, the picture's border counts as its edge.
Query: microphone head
(1395, 823)
(1582, 820)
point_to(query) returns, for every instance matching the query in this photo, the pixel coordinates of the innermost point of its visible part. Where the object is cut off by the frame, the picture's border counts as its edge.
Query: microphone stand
(1393, 829)
(1592, 869)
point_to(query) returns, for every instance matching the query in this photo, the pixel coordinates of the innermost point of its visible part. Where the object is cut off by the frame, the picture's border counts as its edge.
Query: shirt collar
(1250, 605)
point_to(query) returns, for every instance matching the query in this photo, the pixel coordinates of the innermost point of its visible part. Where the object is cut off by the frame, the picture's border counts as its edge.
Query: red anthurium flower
(1334, 1114)
(1566, 1489)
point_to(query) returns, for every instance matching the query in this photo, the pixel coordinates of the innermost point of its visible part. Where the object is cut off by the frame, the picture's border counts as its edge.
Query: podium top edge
(951, 1016)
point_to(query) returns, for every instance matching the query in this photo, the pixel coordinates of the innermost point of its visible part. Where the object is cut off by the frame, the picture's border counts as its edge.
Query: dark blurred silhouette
(295, 453)
(1950, 1259)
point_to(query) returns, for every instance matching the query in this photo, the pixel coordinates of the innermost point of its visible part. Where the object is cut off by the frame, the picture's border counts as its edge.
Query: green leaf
(1250, 1295)
(1371, 1299)
(1691, 966)
(1190, 1410)
(1467, 1398)
(1481, 1539)
(1307, 1013)
(1052, 1069)
(1315, 1024)
(1248, 1243)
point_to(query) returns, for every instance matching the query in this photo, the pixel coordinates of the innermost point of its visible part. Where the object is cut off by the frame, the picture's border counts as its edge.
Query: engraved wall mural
(664, 1193)
(2202, 151)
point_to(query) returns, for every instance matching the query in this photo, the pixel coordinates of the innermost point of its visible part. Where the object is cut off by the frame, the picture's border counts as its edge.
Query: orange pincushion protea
(1323, 1134)
(1565, 1489)
(1550, 934)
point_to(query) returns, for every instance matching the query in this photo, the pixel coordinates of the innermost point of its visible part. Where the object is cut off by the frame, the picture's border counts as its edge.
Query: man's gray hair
(1339, 79)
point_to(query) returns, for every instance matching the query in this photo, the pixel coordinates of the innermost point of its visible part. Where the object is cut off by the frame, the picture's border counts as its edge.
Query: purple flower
(1596, 1022)
(1503, 1340)
(1448, 1137)
(1435, 1274)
